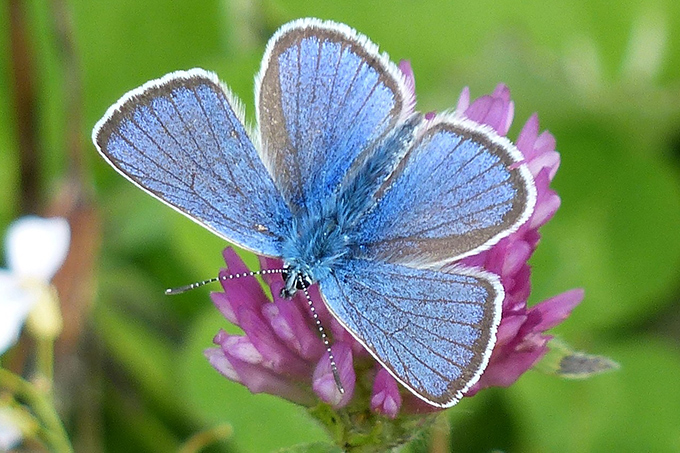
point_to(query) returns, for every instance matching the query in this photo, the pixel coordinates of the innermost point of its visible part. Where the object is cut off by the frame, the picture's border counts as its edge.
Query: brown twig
(73, 201)
(23, 86)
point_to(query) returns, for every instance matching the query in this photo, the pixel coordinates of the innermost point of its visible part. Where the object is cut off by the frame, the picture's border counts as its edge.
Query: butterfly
(349, 186)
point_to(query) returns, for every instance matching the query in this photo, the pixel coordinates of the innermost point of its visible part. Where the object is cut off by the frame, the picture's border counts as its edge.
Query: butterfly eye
(285, 272)
(301, 281)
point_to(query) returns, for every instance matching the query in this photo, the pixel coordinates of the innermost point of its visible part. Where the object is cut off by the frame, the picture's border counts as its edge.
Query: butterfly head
(316, 242)
(294, 278)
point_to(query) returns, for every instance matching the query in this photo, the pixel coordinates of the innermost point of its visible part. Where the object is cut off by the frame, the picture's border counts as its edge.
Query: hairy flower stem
(356, 429)
(52, 429)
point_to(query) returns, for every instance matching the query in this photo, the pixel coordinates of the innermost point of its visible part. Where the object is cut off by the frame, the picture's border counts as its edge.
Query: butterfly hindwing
(342, 173)
(433, 331)
(459, 190)
(179, 139)
(324, 96)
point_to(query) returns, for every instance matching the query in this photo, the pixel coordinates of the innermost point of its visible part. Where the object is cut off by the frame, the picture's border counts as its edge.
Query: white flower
(35, 249)
(10, 434)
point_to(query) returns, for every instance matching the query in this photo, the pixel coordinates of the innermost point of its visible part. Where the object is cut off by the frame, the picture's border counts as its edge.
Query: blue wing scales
(459, 189)
(179, 139)
(432, 330)
(324, 97)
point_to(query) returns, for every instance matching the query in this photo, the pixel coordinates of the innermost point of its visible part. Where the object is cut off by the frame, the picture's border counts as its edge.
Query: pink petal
(549, 160)
(508, 369)
(522, 285)
(241, 348)
(291, 326)
(323, 381)
(275, 354)
(220, 362)
(479, 109)
(502, 93)
(545, 209)
(280, 325)
(257, 378)
(507, 330)
(516, 256)
(463, 101)
(234, 262)
(243, 291)
(506, 122)
(385, 398)
(556, 309)
(240, 290)
(545, 143)
(224, 305)
(495, 110)
(271, 263)
(527, 137)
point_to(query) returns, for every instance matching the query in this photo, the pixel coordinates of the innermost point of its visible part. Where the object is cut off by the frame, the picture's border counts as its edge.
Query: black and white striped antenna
(302, 283)
(185, 288)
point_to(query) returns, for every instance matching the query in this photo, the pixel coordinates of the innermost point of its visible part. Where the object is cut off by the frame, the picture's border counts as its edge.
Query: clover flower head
(280, 351)
(520, 341)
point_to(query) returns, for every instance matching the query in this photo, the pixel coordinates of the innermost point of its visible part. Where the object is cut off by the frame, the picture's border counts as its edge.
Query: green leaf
(147, 358)
(634, 409)
(615, 233)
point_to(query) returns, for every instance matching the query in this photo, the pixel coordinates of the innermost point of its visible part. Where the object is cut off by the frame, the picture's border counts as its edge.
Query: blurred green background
(605, 79)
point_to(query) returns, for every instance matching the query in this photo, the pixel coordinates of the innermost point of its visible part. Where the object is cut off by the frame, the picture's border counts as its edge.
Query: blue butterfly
(349, 186)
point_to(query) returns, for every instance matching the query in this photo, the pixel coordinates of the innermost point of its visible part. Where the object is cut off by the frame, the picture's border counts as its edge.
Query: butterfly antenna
(324, 337)
(185, 288)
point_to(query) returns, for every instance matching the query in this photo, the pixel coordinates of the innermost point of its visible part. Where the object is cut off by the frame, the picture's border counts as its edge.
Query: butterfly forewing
(459, 190)
(324, 96)
(179, 139)
(433, 331)
(339, 147)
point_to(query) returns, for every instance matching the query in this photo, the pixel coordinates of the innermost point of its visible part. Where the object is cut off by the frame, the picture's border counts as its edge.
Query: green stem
(200, 440)
(45, 357)
(358, 430)
(41, 403)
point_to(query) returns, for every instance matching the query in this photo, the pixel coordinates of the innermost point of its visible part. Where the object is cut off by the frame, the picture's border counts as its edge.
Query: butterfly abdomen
(322, 236)
(358, 193)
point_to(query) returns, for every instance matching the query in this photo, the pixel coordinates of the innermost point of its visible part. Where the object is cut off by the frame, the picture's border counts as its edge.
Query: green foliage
(617, 124)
